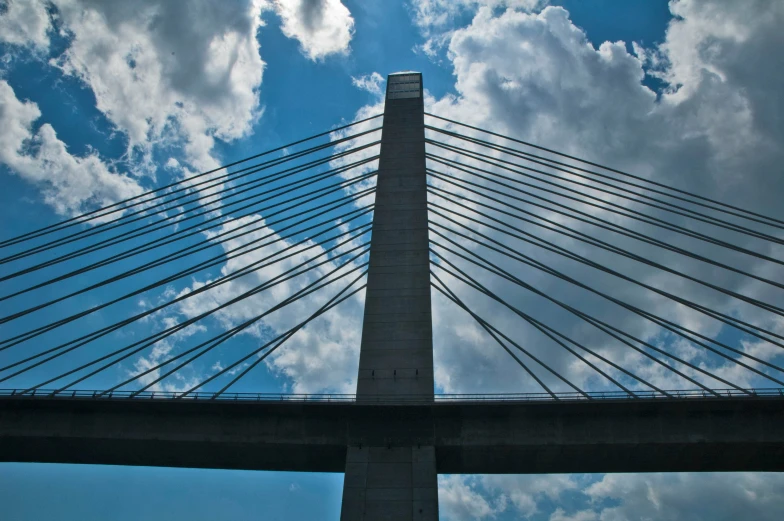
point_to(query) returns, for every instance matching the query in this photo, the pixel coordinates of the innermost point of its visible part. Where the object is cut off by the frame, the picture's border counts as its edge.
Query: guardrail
(351, 398)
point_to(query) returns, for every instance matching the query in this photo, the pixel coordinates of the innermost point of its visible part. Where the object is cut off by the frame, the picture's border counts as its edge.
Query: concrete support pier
(394, 482)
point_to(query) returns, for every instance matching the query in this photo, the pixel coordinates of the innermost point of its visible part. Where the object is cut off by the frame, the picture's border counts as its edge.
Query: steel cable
(491, 331)
(479, 287)
(23, 337)
(633, 215)
(73, 221)
(599, 323)
(161, 241)
(231, 190)
(195, 248)
(545, 330)
(519, 257)
(157, 337)
(178, 218)
(546, 245)
(609, 169)
(283, 338)
(712, 221)
(541, 326)
(213, 261)
(606, 225)
(212, 342)
(547, 162)
(71, 345)
(620, 251)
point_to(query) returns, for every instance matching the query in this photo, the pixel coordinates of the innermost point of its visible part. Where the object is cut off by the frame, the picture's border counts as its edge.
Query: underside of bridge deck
(657, 435)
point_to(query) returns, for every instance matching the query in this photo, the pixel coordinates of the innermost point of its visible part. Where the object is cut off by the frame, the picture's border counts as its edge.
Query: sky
(100, 101)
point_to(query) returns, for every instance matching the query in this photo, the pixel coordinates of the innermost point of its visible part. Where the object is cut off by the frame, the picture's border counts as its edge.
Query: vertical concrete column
(396, 355)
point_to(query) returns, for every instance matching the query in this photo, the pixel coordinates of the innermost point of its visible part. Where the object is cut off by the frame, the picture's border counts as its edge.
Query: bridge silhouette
(447, 206)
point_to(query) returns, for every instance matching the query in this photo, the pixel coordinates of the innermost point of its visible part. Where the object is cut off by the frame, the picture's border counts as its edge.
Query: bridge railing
(351, 398)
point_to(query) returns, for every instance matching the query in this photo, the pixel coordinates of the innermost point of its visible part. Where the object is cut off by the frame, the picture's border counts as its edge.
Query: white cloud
(371, 83)
(692, 497)
(321, 357)
(525, 492)
(185, 73)
(181, 75)
(712, 38)
(70, 184)
(560, 515)
(322, 27)
(25, 23)
(463, 498)
(536, 76)
(458, 501)
(615, 497)
(438, 14)
(436, 19)
(170, 73)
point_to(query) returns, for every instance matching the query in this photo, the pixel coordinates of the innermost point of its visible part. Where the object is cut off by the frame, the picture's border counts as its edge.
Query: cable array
(188, 287)
(532, 234)
(193, 284)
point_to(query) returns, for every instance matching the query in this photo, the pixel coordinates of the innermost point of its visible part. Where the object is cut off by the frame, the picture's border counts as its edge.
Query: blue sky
(685, 96)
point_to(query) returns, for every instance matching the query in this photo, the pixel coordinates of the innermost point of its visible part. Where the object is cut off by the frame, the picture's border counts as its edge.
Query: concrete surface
(396, 355)
(655, 435)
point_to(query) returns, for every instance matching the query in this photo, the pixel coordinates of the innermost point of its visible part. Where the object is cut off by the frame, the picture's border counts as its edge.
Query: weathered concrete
(729, 434)
(396, 355)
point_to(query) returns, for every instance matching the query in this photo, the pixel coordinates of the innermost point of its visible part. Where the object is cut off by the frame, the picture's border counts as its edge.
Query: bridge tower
(396, 481)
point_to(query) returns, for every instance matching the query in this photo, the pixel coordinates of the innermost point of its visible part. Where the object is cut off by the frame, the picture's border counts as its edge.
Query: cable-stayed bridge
(399, 208)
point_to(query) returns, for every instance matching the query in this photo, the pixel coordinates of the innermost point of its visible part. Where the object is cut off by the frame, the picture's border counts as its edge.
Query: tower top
(406, 84)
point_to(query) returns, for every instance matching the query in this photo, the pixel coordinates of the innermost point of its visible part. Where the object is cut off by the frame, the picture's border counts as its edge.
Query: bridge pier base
(390, 483)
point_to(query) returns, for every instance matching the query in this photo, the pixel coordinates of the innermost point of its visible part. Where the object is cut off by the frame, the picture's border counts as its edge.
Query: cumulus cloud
(371, 83)
(463, 498)
(69, 183)
(458, 501)
(436, 18)
(322, 27)
(25, 23)
(614, 497)
(168, 72)
(713, 129)
(438, 14)
(536, 76)
(321, 357)
(714, 497)
(560, 515)
(178, 77)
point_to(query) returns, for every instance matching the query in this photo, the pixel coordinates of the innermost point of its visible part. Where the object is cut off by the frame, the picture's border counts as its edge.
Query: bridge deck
(628, 435)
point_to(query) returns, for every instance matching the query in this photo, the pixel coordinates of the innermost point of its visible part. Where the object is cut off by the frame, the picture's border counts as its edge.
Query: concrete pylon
(396, 482)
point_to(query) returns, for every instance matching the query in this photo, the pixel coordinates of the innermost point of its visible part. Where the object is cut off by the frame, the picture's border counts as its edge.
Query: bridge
(471, 434)
(448, 207)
